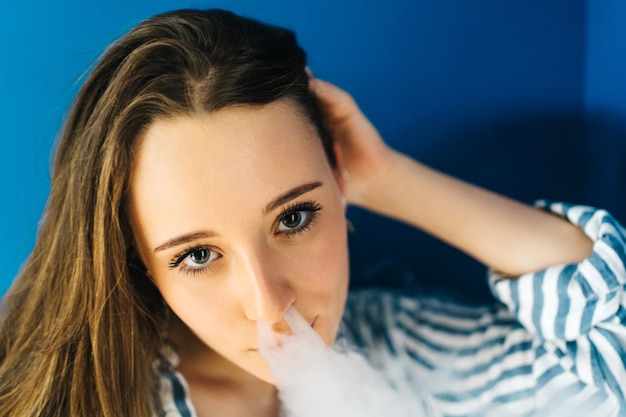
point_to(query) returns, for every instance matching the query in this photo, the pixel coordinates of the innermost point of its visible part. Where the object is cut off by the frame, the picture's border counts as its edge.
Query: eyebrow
(181, 240)
(272, 205)
(290, 195)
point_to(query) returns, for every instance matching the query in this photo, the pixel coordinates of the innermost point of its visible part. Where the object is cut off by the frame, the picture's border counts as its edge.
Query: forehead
(228, 141)
(236, 157)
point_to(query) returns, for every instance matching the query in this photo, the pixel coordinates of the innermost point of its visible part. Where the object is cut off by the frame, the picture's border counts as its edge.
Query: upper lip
(311, 323)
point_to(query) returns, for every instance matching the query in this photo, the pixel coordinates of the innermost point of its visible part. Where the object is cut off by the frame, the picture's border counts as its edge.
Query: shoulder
(385, 324)
(173, 389)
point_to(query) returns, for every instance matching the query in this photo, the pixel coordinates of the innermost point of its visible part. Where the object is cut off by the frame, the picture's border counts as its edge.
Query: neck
(214, 381)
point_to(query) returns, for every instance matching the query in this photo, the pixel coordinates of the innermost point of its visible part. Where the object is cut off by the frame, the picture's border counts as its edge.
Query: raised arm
(508, 236)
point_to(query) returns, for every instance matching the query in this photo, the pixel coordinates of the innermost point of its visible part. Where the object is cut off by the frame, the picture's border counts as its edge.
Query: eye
(199, 257)
(298, 218)
(195, 259)
(293, 220)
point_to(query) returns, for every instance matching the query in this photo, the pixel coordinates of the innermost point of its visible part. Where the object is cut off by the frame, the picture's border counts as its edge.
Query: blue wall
(493, 91)
(605, 103)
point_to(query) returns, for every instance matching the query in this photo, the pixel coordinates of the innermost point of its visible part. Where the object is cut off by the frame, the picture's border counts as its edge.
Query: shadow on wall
(606, 179)
(558, 157)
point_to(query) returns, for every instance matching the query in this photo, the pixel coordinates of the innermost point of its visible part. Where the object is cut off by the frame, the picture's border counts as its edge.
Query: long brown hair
(81, 327)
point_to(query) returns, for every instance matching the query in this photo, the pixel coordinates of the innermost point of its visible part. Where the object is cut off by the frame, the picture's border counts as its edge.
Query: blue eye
(195, 259)
(298, 218)
(293, 220)
(199, 257)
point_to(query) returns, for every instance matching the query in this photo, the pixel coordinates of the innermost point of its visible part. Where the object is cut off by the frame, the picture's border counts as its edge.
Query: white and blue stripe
(554, 345)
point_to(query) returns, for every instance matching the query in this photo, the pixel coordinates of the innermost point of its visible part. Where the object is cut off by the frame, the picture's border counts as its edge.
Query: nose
(267, 293)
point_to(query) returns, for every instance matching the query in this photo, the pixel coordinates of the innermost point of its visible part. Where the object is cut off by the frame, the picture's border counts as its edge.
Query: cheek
(318, 258)
(329, 256)
(324, 284)
(326, 266)
(202, 306)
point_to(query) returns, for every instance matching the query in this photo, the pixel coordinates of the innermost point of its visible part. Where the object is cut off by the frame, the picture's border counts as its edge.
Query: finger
(327, 91)
(309, 73)
(337, 103)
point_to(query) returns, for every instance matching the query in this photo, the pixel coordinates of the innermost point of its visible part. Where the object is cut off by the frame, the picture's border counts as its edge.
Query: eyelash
(310, 207)
(178, 259)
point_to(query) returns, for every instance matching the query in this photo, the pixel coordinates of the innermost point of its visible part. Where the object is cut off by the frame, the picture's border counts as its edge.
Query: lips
(284, 329)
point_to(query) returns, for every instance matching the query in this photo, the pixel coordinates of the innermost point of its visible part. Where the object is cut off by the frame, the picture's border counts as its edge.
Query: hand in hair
(505, 235)
(364, 159)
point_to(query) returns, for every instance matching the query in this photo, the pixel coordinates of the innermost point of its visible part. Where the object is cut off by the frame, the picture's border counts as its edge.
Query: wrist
(381, 185)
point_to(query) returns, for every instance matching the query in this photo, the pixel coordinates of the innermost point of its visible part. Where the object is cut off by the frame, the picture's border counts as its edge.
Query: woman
(197, 190)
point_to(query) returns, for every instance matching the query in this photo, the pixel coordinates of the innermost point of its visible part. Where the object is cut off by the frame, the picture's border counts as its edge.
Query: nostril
(281, 327)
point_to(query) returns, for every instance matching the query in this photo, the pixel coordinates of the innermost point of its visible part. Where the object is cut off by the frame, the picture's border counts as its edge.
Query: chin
(259, 368)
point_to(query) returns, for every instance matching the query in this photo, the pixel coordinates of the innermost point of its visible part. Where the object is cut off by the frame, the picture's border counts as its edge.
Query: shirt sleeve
(578, 309)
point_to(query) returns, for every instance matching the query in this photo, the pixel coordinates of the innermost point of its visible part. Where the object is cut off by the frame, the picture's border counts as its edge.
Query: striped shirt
(553, 345)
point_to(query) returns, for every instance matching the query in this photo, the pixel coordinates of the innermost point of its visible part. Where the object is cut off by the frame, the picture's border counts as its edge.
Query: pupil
(292, 219)
(200, 256)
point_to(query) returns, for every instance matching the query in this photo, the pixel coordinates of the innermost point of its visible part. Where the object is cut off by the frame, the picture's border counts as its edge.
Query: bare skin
(508, 236)
(227, 390)
(505, 235)
(238, 216)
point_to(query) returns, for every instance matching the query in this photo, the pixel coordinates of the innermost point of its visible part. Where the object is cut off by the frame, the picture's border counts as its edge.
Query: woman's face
(238, 215)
